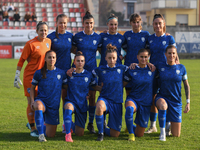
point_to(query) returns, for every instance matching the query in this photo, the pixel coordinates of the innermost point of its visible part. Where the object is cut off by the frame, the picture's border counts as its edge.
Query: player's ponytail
(87, 16)
(59, 16)
(111, 48)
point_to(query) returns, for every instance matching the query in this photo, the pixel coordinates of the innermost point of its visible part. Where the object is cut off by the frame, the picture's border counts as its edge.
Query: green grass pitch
(15, 135)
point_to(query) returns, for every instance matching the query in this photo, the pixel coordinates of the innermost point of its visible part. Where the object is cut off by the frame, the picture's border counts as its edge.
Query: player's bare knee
(79, 133)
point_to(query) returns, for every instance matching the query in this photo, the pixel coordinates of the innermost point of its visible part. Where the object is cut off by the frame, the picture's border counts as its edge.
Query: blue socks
(153, 116)
(39, 120)
(129, 119)
(67, 120)
(100, 122)
(162, 118)
(91, 113)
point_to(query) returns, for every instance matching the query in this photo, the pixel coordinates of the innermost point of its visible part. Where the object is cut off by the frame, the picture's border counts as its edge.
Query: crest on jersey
(80, 40)
(55, 40)
(134, 73)
(105, 38)
(47, 44)
(58, 77)
(150, 73)
(162, 69)
(119, 40)
(72, 77)
(37, 47)
(177, 71)
(69, 40)
(143, 39)
(119, 71)
(129, 38)
(164, 42)
(86, 79)
(94, 42)
(151, 41)
(104, 72)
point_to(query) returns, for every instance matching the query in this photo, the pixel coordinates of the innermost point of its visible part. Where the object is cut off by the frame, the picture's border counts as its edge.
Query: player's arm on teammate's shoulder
(187, 94)
(32, 96)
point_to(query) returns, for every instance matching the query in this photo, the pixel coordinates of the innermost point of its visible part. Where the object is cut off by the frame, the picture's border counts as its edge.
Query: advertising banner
(5, 51)
(18, 51)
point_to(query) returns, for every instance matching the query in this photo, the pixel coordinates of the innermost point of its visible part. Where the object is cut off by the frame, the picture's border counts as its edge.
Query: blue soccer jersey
(142, 85)
(62, 46)
(158, 45)
(112, 79)
(49, 89)
(170, 81)
(88, 45)
(133, 43)
(116, 40)
(78, 88)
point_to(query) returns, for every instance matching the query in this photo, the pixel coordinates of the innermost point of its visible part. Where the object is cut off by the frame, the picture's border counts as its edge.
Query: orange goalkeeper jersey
(34, 52)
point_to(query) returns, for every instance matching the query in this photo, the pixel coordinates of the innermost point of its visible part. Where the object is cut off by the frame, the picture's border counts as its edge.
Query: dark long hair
(59, 16)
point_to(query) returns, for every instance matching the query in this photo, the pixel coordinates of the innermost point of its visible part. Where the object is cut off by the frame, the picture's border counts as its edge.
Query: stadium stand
(46, 10)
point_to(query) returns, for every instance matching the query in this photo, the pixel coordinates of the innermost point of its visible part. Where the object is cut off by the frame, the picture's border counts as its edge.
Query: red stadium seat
(82, 14)
(59, 5)
(60, 10)
(54, 10)
(25, 1)
(44, 14)
(28, 24)
(73, 19)
(54, 14)
(70, 1)
(26, 9)
(82, 10)
(54, 5)
(1, 18)
(43, 9)
(26, 5)
(32, 9)
(75, 1)
(74, 29)
(11, 18)
(11, 27)
(34, 28)
(81, 5)
(28, 27)
(23, 28)
(16, 27)
(71, 10)
(48, 1)
(54, 19)
(5, 23)
(33, 24)
(32, 5)
(80, 29)
(45, 19)
(51, 28)
(76, 10)
(64, 1)
(6, 27)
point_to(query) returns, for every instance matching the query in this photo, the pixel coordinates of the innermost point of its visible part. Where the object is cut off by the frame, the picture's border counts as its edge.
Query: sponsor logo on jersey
(58, 77)
(164, 42)
(151, 41)
(55, 40)
(37, 47)
(177, 71)
(129, 38)
(119, 40)
(80, 40)
(47, 44)
(72, 77)
(143, 39)
(94, 42)
(69, 40)
(105, 39)
(150, 73)
(86, 79)
(104, 72)
(162, 69)
(119, 71)
(134, 73)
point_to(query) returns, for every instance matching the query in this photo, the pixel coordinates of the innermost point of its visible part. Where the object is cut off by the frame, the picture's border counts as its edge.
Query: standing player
(61, 43)
(111, 96)
(140, 98)
(157, 45)
(135, 40)
(168, 100)
(34, 52)
(112, 37)
(49, 80)
(87, 42)
(76, 102)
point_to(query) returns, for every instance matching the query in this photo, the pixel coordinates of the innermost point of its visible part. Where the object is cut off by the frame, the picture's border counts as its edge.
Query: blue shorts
(142, 114)
(174, 111)
(51, 116)
(90, 87)
(115, 114)
(80, 117)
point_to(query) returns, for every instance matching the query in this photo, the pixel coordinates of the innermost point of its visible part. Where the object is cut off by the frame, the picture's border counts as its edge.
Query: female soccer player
(61, 43)
(168, 100)
(113, 37)
(157, 44)
(135, 40)
(111, 96)
(76, 102)
(87, 42)
(140, 98)
(34, 52)
(49, 80)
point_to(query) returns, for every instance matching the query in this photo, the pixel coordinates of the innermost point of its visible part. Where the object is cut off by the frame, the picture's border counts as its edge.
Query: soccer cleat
(42, 138)
(151, 130)
(131, 137)
(168, 131)
(68, 137)
(126, 130)
(34, 133)
(100, 137)
(28, 126)
(90, 127)
(162, 137)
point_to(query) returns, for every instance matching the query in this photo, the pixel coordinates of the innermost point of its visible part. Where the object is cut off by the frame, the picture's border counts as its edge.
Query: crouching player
(140, 98)
(76, 102)
(49, 80)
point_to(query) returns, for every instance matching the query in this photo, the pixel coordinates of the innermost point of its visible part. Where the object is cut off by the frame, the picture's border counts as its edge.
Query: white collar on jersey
(109, 33)
(138, 32)
(139, 66)
(54, 68)
(90, 34)
(161, 35)
(109, 67)
(168, 64)
(81, 72)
